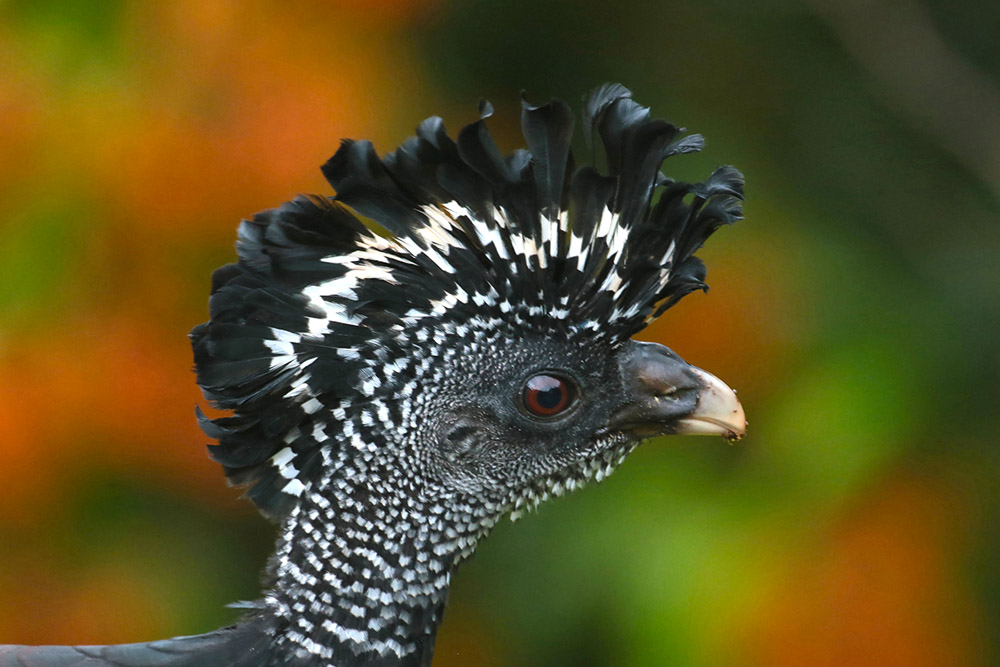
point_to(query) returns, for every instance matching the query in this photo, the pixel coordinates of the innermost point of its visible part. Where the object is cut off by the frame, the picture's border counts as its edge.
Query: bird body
(443, 343)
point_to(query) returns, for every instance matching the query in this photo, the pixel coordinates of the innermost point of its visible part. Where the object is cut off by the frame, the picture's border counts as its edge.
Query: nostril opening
(669, 392)
(676, 394)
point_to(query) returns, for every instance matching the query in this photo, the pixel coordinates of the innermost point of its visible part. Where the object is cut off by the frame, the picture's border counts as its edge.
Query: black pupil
(549, 391)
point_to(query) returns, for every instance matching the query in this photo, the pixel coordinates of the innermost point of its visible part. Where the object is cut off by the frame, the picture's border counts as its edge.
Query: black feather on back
(239, 646)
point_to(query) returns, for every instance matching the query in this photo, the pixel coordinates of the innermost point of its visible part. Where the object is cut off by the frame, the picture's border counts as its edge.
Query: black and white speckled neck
(364, 571)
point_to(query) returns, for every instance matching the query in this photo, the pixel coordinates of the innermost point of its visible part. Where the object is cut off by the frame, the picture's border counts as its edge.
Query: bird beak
(717, 412)
(666, 395)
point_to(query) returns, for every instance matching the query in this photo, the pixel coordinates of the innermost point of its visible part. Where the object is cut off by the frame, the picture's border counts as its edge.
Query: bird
(444, 342)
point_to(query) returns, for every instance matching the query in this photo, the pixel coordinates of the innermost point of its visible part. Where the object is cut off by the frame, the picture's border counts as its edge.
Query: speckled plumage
(372, 365)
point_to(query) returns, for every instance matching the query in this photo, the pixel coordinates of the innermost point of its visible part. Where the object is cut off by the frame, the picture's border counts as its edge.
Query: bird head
(458, 323)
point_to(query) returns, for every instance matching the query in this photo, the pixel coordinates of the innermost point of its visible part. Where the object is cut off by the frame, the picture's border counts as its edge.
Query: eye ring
(546, 395)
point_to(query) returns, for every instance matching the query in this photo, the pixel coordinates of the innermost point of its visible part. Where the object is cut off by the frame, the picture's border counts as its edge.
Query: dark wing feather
(239, 646)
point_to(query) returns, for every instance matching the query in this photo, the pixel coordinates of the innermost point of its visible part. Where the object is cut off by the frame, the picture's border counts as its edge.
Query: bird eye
(547, 395)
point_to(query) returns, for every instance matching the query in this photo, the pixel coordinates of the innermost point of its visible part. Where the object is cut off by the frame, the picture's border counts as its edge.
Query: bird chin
(647, 431)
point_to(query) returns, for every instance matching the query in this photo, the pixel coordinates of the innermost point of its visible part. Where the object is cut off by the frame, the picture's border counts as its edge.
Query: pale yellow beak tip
(718, 411)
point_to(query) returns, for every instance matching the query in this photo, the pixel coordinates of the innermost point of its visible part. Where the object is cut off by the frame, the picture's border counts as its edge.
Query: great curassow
(444, 342)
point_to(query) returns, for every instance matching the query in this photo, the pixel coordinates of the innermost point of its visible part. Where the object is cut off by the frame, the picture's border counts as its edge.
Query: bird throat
(362, 571)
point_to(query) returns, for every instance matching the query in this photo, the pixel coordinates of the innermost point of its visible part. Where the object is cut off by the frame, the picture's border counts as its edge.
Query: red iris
(547, 395)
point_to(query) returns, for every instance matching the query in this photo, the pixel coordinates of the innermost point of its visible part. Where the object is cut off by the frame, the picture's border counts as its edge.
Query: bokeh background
(857, 310)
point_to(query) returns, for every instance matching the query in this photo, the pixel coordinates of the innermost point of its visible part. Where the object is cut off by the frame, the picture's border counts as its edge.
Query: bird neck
(362, 571)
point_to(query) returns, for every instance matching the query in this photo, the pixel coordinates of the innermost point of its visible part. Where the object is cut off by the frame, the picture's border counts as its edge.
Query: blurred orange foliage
(878, 589)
